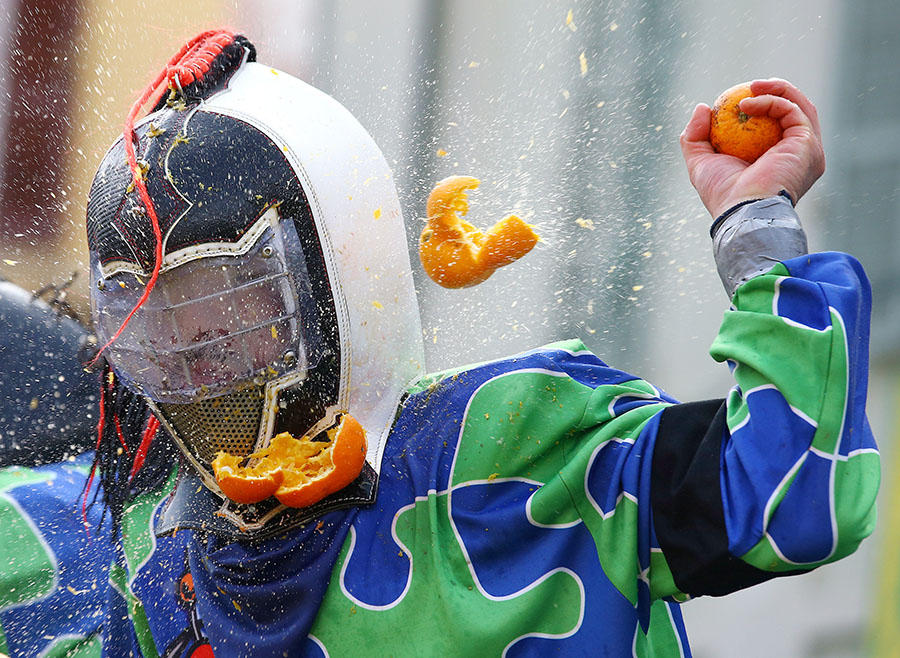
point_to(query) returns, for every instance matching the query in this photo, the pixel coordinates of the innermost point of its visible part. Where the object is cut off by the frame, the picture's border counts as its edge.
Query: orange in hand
(735, 133)
(298, 472)
(454, 253)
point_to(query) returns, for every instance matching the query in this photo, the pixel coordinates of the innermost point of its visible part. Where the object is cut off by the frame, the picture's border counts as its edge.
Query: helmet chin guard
(284, 295)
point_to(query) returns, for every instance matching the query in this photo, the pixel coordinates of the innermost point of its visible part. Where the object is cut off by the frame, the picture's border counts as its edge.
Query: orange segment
(454, 253)
(506, 241)
(734, 133)
(298, 472)
(246, 484)
(314, 470)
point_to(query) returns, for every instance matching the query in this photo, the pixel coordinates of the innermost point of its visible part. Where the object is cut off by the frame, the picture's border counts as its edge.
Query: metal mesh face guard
(212, 333)
(230, 422)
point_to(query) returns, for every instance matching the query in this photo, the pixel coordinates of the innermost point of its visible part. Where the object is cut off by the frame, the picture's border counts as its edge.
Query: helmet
(48, 401)
(282, 292)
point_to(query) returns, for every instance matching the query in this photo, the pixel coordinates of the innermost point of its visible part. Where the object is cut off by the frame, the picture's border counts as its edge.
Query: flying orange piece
(454, 253)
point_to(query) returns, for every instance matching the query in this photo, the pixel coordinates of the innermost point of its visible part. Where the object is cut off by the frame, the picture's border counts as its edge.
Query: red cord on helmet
(121, 435)
(101, 424)
(189, 64)
(146, 440)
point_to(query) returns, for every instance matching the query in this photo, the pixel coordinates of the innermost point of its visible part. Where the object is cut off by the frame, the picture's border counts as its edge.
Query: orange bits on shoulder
(735, 133)
(453, 252)
(298, 472)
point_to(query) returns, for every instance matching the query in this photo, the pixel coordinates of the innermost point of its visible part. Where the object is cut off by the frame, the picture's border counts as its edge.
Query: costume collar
(194, 507)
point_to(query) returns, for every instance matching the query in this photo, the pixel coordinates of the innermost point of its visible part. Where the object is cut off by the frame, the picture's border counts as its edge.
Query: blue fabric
(262, 598)
(49, 505)
(258, 599)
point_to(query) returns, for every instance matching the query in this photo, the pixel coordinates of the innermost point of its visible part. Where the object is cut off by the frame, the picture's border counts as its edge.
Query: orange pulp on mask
(298, 472)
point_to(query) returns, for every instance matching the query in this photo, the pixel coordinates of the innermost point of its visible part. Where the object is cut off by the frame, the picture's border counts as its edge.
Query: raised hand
(793, 164)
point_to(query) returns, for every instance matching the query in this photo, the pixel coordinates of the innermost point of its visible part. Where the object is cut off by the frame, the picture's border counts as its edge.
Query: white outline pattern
(834, 457)
(449, 493)
(587, 474)
(640, 395)
(40, 537)
(150, 525)
(319, 644)
(55, 642)
(786, 320)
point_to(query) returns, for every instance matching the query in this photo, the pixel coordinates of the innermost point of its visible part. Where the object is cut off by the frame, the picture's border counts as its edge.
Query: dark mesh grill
(229, 422)
(107, 194)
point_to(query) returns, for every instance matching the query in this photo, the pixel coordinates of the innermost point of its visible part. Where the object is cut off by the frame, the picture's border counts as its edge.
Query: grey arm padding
(755, 237)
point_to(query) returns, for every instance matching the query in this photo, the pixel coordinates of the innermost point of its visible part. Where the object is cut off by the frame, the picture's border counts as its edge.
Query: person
(48, 416)
(250, 277)
(48, 401)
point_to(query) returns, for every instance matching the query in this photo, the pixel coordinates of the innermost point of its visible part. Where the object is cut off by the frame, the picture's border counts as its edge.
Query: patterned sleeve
(52, 574)
(781, 477)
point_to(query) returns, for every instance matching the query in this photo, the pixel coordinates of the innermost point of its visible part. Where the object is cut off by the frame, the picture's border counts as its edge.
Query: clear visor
(209, 325)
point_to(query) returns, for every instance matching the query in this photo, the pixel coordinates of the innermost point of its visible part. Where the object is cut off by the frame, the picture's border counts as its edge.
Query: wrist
(751, 239)
(736, 204)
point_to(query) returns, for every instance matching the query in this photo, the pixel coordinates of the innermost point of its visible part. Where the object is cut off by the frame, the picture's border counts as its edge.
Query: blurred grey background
(569, 113)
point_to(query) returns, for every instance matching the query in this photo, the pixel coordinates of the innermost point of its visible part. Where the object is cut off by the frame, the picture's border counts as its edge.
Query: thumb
(694, 138)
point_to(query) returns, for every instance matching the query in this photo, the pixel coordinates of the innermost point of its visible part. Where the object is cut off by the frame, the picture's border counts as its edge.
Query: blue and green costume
(544, 504)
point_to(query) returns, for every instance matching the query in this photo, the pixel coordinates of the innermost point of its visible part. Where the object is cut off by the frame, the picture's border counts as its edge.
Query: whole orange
(735, 133)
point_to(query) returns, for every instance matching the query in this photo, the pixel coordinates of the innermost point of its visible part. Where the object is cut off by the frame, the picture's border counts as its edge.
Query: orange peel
(246, 484)
(453, 252)
(298, 472)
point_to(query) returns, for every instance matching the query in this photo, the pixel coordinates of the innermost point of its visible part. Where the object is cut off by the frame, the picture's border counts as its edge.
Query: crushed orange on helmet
(245, 484)
(298, 472)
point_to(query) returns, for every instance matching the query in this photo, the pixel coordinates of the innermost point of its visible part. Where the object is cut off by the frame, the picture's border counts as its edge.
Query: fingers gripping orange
(733, 132)
(454, 253)
(298, 472)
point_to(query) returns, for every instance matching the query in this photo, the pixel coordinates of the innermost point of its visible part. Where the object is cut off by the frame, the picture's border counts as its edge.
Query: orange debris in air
(454, 253)
(735, 133)
(298, 472)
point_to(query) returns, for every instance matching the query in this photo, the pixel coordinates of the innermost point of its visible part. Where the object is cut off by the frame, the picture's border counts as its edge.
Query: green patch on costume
(17, 476)
(770, 349)
(663, 639)
(138, 544)
(347, 628)
(614, 531)
(517, 426)
(75, 647)
(137, 525)
(662, 582)
(27, 564)
(863, 481)
(834, 398)
(119, 581)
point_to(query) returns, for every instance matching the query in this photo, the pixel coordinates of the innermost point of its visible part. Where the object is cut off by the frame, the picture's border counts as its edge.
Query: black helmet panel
(220, 187)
